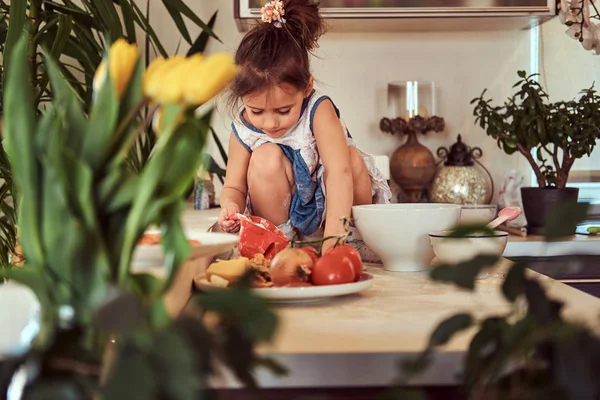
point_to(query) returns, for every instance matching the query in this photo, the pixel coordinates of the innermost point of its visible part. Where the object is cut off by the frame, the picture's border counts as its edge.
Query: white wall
(567, 69)
(354, 69)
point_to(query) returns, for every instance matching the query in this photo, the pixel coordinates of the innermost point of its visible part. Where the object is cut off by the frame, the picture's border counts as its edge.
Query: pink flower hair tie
(273, 12)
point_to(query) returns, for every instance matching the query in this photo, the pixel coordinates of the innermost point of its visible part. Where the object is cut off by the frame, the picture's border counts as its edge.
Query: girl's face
(276, 110)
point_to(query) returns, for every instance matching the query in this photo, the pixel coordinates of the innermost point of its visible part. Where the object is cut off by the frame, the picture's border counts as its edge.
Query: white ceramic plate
(302, 294)
(211, 244)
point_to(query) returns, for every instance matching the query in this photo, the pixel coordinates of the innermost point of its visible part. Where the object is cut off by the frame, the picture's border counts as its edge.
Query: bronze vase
(412, 167)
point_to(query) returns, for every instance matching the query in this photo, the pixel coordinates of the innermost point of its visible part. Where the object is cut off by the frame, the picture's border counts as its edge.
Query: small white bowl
(453, 250)
(477, 213)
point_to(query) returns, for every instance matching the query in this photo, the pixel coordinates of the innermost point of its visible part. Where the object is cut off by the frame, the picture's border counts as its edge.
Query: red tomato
(312, 252)
(332, 269)
(352, 254)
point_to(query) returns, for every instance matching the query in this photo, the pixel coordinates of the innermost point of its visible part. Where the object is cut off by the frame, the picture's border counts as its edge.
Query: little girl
(292, 160)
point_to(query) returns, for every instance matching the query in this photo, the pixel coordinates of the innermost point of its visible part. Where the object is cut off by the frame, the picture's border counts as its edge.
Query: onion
(291, 266)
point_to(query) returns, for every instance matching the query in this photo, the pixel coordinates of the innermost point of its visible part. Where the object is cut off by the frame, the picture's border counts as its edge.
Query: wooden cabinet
(422, 14)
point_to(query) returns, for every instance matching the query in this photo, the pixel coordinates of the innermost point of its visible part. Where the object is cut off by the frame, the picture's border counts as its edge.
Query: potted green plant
(107, 331)
(74, 33)
(550, 135)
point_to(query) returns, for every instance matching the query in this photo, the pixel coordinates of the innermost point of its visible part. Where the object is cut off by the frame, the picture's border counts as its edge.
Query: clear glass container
(408, 99)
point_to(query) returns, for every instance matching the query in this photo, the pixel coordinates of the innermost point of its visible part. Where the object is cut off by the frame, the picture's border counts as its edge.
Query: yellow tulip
(122, 58)
(163, 79)
(175, 80)
(191, 81)
(150, 71)
(208, 78)
(152, 80)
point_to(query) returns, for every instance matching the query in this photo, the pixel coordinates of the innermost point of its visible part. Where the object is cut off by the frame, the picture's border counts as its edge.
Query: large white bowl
(397, 233)
(478, 213)
(453, 250)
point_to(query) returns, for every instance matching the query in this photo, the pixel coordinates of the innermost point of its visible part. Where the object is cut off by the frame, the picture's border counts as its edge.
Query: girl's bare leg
(270, 183)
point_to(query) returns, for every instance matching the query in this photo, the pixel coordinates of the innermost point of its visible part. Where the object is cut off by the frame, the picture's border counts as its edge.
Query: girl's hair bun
(304, 22)
(277, 50)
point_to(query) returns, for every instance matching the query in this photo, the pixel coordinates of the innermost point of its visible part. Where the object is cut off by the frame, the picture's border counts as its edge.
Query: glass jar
(407, 99)
(461, 179)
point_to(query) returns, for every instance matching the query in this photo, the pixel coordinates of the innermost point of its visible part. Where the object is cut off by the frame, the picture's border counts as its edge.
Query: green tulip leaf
(159, 317)
(19, 121)
(67, 102)
(175, 245)
(102, 122)
(17, 19)
(119, 189)
(147, 286)
(130, 117)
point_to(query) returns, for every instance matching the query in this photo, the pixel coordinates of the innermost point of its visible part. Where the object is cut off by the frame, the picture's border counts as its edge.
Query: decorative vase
(539, 202)
(412, 105)
(412, 167)
(459, 180)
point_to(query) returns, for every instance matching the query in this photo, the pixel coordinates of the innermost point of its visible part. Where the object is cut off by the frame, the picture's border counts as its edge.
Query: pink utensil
(506, 214)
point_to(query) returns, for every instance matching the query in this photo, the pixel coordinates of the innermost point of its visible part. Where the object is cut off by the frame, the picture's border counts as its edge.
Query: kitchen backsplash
(354, 70)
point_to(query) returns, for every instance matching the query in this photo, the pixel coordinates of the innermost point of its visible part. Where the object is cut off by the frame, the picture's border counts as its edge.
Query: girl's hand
(328, 244)
(228, 220)
(338, 232)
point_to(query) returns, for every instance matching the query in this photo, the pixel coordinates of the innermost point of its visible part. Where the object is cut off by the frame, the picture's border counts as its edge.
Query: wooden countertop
(358, 340)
